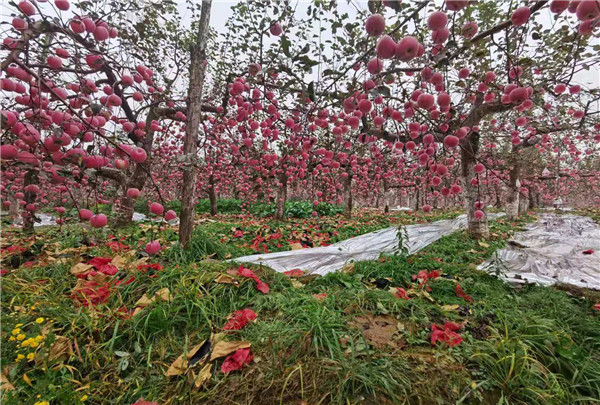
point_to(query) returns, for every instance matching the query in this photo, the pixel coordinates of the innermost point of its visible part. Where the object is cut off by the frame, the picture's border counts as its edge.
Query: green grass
(522, 345)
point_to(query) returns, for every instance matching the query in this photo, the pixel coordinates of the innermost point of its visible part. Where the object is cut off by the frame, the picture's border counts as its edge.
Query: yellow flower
(30, 356)
(18, 325)
(83, 398)
(11, 338)
(16, 331)
(39, 320)
(34, 344)
(42, 403)
(26, 343)
(21, 336)
(38, 338)
(19, 358)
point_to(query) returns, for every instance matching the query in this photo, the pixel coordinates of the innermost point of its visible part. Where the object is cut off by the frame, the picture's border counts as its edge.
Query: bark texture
(194, 110)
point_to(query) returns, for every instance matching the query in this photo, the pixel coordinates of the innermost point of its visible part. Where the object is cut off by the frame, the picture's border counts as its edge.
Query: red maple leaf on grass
(240, 319)
(260, 285)
(446, 334)
(237, 360)
(462, 294)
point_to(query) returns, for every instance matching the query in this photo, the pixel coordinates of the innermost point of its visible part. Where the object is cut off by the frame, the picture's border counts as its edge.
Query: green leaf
(285, 46)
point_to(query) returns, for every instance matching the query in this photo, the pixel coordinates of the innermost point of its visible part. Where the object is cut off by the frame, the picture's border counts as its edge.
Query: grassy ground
(345, 338)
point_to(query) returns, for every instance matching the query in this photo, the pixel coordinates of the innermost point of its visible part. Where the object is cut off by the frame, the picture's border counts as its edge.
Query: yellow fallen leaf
(162, 294)
(224, 348)
(225, 279)
(27, 380)
(296, 283)
(203, 376)
(81, 268)
(179, 366)
(348, 268)
(484, 244)
(296, 246)
(447, 308)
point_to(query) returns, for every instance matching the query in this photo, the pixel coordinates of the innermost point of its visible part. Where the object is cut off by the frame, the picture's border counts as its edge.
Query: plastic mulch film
(327, 259)
(554, 249)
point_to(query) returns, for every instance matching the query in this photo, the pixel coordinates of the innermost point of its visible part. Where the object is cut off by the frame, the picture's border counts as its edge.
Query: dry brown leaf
(81, 268)
(179, 366)
(224, 348)
(484, 244)
(379, 330)
(203, 376)
(61, 349)
(5, 385)
(144, 301)
(296, 246)
(296, 283)
(225, 279)
(118, 262)
(163, 294)
(348, 268)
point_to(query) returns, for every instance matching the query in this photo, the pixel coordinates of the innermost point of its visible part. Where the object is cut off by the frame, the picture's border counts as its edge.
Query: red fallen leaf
(588, 252)
(294, 273)
(28, 265)
(240, 319)
(237, 360)
(260, 285)
(3, 272)
(91, 293)
(434, 274)
(320, 296)
(97, 262)
(401, 293)
(446, 335)
(597, 307)
(462, 294)
(108, 269)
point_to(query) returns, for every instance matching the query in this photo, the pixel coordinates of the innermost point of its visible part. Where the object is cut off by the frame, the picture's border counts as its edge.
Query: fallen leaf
(297, 284)
(484, 244)
(447, 308)
(5, 385)
(348, 268)
(164, 294)
(240, 319)
(144, 301)
(180, 365)
(81, 268)
(379, 330)
(296, 246)
(237, 360)
(225, 279)
(61, 349)
(203, 376)
(118, 261)
(224, 348)
(27, 380)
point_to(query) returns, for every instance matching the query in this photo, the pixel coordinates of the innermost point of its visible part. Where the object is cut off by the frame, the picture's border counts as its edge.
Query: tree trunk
(386, 197)
(281, 198)
(417, 200)
(523, 204)
(212, 196)
(31, 177)
(348, 201)
(512, 198)
(478, 229)
(123, 210)
(194, 109)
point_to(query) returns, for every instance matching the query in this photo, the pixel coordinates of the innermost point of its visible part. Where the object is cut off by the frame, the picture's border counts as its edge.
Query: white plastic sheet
(551, 251)
(327, 259)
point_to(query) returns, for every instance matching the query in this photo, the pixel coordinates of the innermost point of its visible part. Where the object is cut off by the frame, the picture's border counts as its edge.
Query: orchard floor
(73, 333)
